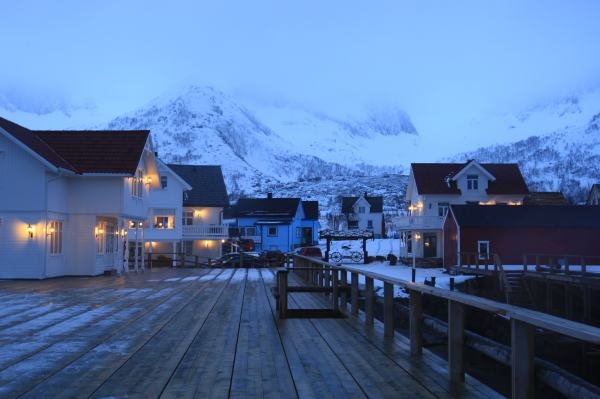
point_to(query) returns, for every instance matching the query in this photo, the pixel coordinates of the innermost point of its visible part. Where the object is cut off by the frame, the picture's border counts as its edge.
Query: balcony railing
(418, 222)
(205, 231)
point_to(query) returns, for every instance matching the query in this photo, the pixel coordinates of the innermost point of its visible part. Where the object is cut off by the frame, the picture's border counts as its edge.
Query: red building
(512, 231)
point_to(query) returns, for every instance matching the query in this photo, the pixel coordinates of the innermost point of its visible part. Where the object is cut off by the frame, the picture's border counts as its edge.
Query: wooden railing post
(525, 262)
(416, 319)
(522, 352)
(354, 293)
(195, 260)
(456, 331)
(150, 260)
(567, 267)
(335, 289)
(388, 309)
(282, 282)
(583, 266)
(369, 301)
(328, 273)
(344, 286)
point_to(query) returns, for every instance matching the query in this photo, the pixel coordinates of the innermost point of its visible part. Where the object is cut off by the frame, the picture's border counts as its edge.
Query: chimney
(270, 195)
(156, 154)
(366, 194)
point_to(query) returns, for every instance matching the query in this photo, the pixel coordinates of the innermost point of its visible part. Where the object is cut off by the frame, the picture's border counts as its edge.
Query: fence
(523, 322)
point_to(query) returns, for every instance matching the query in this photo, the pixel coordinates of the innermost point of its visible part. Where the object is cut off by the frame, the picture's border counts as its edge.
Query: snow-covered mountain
(271, 144)
(561, 151)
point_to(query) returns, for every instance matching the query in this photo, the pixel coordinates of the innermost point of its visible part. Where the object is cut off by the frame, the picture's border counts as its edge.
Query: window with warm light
(101, 238)
(163, 222)
(472, 182)
(55, 232)
(111, 238)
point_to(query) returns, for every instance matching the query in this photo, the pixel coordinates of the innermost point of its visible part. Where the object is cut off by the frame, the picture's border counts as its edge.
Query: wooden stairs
(515, 289)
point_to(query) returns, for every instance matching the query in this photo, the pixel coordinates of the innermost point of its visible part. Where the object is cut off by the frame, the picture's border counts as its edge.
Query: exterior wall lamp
(148, 181)
(99, 231)
(30, 230)
(50, 230)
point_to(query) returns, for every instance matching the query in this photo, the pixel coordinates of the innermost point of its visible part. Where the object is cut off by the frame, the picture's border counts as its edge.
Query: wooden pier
(201, 333)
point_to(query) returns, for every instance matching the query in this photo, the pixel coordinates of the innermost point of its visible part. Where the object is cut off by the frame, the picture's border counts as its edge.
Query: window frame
(164, 182)
(370, 224)
(187, 216)
(56, 238)
(443, 208)
(362, 209)
(269, 231)
(161, 219)
(487, 244)
(473, 182)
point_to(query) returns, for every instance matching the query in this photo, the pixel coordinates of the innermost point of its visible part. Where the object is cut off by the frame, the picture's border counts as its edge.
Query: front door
(429, 246)
(307, 236)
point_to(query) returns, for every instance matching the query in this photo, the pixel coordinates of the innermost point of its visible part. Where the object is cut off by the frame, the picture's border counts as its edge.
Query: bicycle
(346, 253)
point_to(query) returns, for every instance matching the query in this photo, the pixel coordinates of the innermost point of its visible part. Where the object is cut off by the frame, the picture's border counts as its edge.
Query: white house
(202, 227)
(67, 199)
(432, 187)
(364, 213)
(162, 229)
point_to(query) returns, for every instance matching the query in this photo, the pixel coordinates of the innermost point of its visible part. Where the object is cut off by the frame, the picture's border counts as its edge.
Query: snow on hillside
(203, 125)
(562, 151)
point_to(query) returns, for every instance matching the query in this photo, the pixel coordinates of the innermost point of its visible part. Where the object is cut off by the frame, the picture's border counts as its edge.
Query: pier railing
(523, 322)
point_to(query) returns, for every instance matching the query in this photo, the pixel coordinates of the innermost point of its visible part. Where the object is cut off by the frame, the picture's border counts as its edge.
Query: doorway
(429, 245)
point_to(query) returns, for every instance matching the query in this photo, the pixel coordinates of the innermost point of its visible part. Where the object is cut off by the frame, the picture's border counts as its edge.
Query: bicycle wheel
(356, 256)
(335, 257)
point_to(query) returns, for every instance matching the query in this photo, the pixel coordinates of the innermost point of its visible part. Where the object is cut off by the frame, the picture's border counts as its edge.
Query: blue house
(277, 223)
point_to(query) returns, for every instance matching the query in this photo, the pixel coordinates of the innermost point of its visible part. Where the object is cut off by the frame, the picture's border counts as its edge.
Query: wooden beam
(282, 282)
(456, 332)
(416, 323)
(388, 309)
(369, 301)
(522, 370)
(354, 293)
(343, 294)
(335, 296)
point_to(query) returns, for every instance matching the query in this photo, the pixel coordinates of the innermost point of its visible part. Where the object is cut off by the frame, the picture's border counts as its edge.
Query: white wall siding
(21, 256)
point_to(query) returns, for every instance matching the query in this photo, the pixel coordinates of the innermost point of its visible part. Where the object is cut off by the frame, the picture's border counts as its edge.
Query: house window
(188, 218)
(188, 247)
(483, 249)
(110, 239)
(299, 232)
(443, 208)
(361, 209)
(56, 237)
(272, 232)
(163, 182)
(472, 182)
(408, 238)
(353, 224)
(137, 184)
(247, 231)
(162, 222)
(100, 238)
(369, 224)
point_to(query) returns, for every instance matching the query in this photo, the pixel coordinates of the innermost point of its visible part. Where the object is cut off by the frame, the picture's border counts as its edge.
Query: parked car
(232, 245)
(247, 244)
(272, 258)
(313, 252)
(233, 260)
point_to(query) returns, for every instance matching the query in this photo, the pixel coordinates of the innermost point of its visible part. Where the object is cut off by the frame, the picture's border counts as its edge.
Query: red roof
(436, 178)
(86, 151)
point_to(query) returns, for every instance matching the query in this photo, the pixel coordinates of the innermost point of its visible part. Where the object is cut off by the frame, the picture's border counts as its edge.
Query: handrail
(523, 321)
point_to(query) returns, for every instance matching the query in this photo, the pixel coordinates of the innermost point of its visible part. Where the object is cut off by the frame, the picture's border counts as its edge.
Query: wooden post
(328, 250)
(525, 262)
(336, 290)
(150, 260)
(388, 309)
(522, 370)
(241, 260)
(451, 283)
(209, 262)
(365, 253)
(195, 260)
(413, 275)
(548, 297)
(344, 293)
(587, 305)
(568, 302)
(369, 301)
(328, 273)
(416, 317)
(282, 282)
(456, 331)
(354, 293)
(567, 265)
(537, 262)
(583, 266)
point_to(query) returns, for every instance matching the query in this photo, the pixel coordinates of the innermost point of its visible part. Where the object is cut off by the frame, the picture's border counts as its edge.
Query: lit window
(100, 238)
(472, 182)
(110, 239)
(272, 232)
(161, 222)
(56, 237)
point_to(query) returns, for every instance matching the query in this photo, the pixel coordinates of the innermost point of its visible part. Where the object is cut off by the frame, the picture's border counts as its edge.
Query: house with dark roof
(277, 223)
(68, 199)
(364, 213)
(433, 187)
(513, 231)
(202, 224)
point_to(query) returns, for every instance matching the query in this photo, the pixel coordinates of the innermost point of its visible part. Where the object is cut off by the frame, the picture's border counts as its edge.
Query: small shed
(512, 231)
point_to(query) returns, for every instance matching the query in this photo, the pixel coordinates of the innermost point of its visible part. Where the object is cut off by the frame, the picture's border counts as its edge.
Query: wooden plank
(416, 323)
(369, 301)
(335, 296)
(342, 292)
(388, 309)
(282, 283)
(260, 368)
(207, 367)
(354, 293)
(522, 358)
(456, 330)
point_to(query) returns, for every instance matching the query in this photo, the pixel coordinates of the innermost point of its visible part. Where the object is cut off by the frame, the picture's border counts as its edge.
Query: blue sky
(429, 57)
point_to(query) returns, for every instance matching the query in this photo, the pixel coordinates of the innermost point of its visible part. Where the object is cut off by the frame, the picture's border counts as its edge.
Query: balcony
(418, 222)
(205, 231)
